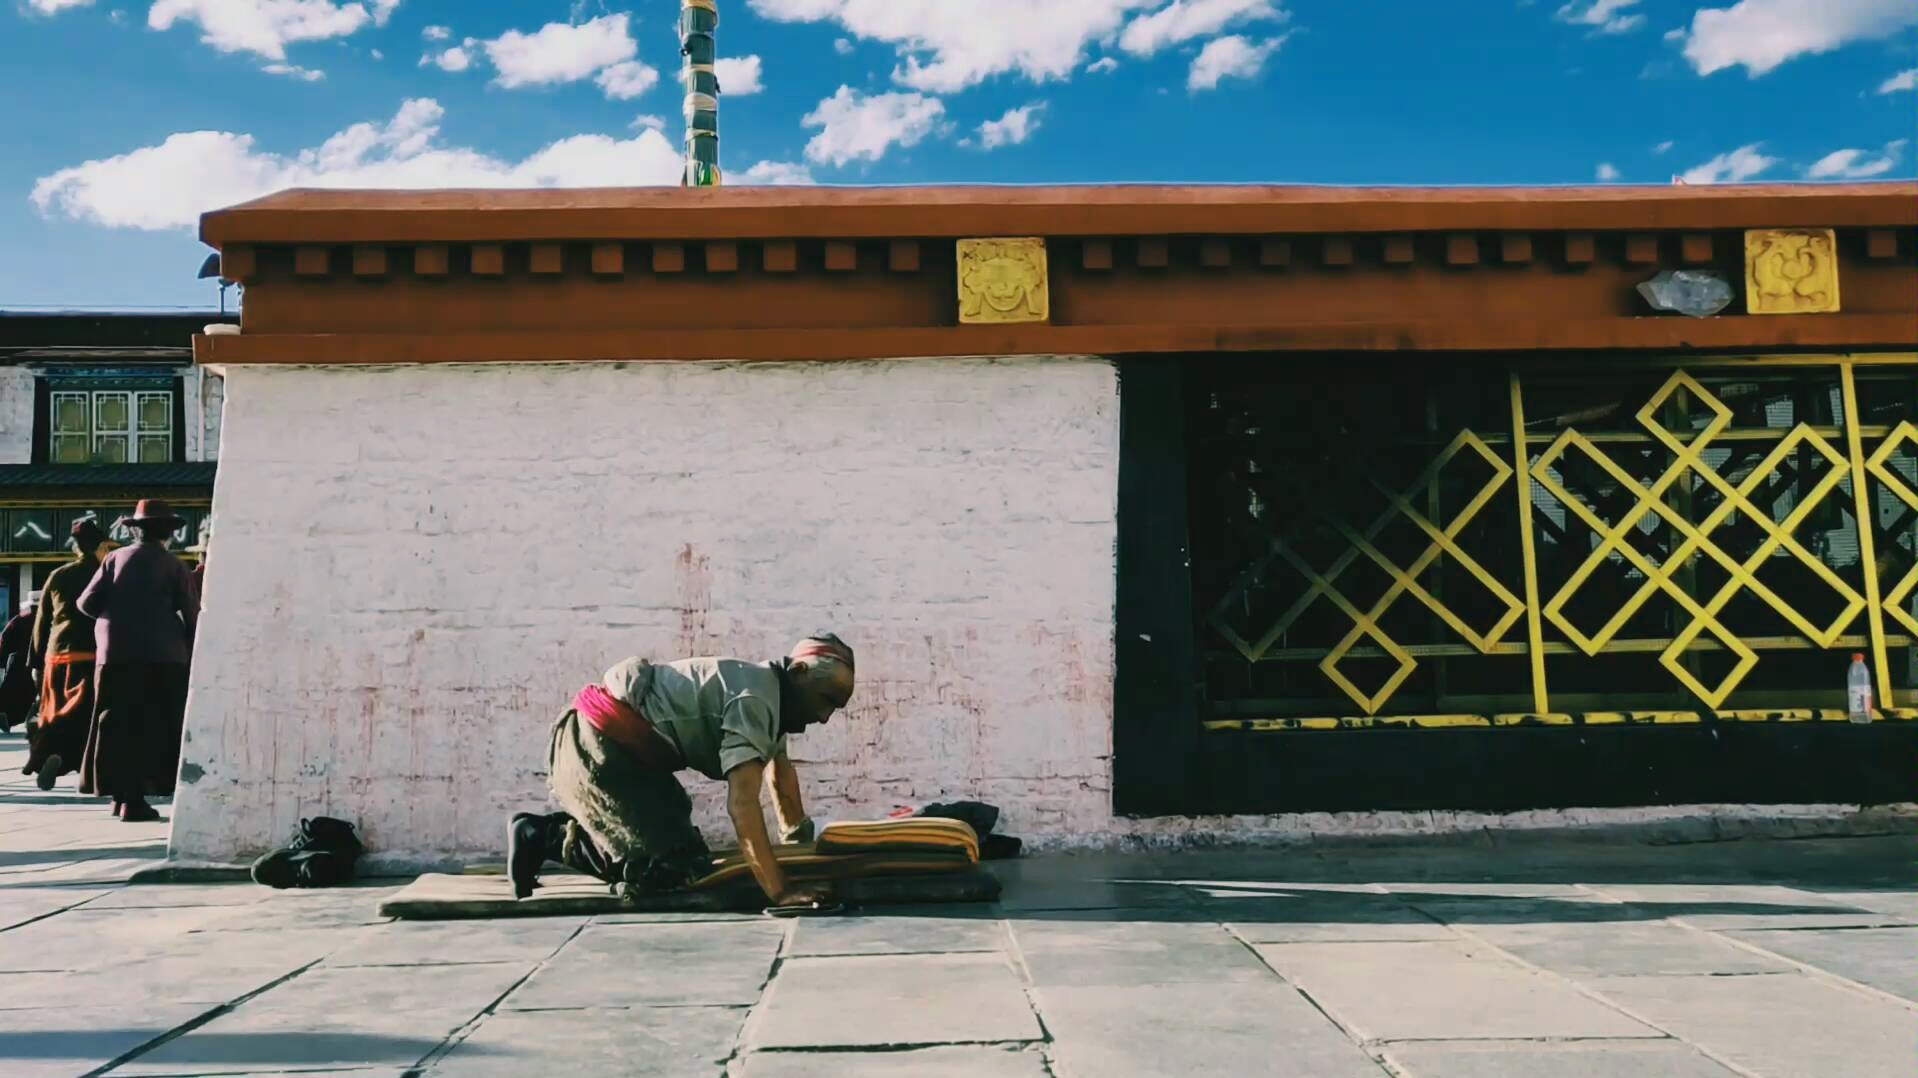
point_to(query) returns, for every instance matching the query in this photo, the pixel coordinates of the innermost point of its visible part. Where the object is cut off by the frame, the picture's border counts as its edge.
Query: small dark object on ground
(982, 818)
(807, 909)
(323, 855)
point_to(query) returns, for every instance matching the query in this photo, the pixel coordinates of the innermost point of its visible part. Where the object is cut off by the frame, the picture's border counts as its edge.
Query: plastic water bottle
(1858, 691)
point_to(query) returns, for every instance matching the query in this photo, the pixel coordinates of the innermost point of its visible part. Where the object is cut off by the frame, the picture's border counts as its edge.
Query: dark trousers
(134, 747)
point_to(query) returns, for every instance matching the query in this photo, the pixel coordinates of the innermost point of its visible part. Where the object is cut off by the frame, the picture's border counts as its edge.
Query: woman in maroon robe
(144, 612)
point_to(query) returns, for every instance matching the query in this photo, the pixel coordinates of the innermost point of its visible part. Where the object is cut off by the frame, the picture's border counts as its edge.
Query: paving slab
(1883, 958)
(430, 943)
(1777, 1025)
(1623, 950)
(1068, 953)
(1294, 915)
(169, 895)
(667, 1042)
(82, 939)
(1519, 904)
(375, 1016)
(656, 965)
(1531, 1059)
(1458, 990)
(23, 904)
(342, 907)
(960, 1062)
(186, 975)
(872, 1000)
(1900, 906)
(1744, 906)
(67, 1041)
(1195, 1031)
(895, 935)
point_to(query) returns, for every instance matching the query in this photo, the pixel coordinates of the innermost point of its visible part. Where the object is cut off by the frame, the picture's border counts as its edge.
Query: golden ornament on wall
(1003, 281)
(1791, 271)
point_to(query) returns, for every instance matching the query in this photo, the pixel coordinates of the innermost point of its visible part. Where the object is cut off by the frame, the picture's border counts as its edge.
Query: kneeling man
(615, 752)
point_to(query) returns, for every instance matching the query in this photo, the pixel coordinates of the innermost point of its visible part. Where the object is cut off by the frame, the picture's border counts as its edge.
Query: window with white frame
(111, 426)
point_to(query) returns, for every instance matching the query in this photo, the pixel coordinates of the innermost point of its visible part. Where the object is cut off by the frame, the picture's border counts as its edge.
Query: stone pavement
(1546, 960)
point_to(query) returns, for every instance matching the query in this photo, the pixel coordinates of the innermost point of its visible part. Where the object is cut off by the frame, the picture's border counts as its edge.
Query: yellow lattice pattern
(1742, 573)
(1896, 602)
(1695, 539)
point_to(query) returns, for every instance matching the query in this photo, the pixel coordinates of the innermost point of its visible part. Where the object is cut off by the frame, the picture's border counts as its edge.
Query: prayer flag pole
(698, 20)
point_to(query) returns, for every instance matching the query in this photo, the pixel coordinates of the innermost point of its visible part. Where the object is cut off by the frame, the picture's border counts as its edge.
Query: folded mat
(919, 833)
(859, 879)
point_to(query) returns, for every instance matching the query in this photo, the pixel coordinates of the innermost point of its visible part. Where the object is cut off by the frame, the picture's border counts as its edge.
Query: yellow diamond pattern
(1695, 539)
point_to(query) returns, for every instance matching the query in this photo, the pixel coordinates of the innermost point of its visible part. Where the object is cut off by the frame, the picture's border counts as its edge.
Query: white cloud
(860, 127)
(1604, 16)
(1902, 81)
(559, 53)
(843, 47)
(437, 33)
(1856, 164)
(1016, 126)
(775, 174)
(1762, 34)
(649, 121)
(1608, 172)
(739, 76)
(627, 79)
(453, 59)
(1737, 166)
(1228, 58)
(948, 45)
(377, 54)
(266, 27)
(1663, 147)
(1186, 20)
(295, 71)
(55, 7)
(169, 185)
(1102, 65)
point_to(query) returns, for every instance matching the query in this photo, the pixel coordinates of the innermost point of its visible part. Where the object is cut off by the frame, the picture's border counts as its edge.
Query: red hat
(154, 511)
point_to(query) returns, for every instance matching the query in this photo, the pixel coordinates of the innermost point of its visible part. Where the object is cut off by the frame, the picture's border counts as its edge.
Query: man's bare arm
(749, 823)
(784, 780)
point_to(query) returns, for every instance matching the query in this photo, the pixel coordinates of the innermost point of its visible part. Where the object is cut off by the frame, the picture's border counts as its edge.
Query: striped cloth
(807, 863)
(919, 833)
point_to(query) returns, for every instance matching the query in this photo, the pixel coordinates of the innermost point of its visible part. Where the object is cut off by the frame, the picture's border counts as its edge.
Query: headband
(810, 649)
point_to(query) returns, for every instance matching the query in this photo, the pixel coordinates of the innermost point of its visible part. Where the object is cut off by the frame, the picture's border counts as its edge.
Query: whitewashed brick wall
(416, 567)
(16, 415)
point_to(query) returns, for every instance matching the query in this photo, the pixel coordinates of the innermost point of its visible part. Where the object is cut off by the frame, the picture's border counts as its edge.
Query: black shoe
(139, 812)
(328, 834)
(531, 841)
(309, 868)
(49, 771)
(322, 854)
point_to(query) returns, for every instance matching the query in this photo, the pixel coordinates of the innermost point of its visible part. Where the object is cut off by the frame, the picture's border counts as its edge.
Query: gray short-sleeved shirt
(719, 713)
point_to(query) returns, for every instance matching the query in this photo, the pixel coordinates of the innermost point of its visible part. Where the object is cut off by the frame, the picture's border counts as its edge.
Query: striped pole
(698, 20)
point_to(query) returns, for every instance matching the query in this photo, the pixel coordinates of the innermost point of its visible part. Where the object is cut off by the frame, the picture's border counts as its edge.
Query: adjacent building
(99, 410)
(1152, 512)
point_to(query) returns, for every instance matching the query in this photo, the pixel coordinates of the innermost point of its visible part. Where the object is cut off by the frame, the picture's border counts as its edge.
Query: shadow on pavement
(200, 1050)
(79, 853)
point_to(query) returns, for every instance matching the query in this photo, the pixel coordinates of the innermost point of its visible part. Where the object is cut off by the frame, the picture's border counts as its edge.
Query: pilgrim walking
(63, 653)
(16, 668)
(144, 609)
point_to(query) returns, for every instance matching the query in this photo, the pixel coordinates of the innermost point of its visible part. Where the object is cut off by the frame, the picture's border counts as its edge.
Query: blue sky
(128, 118)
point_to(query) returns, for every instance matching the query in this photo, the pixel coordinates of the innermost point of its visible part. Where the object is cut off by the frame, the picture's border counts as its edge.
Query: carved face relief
(1003, 281)
(1791, 271)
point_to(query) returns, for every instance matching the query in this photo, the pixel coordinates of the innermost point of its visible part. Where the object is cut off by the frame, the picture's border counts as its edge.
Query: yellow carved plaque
(1791, 271)
(1003, 280)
